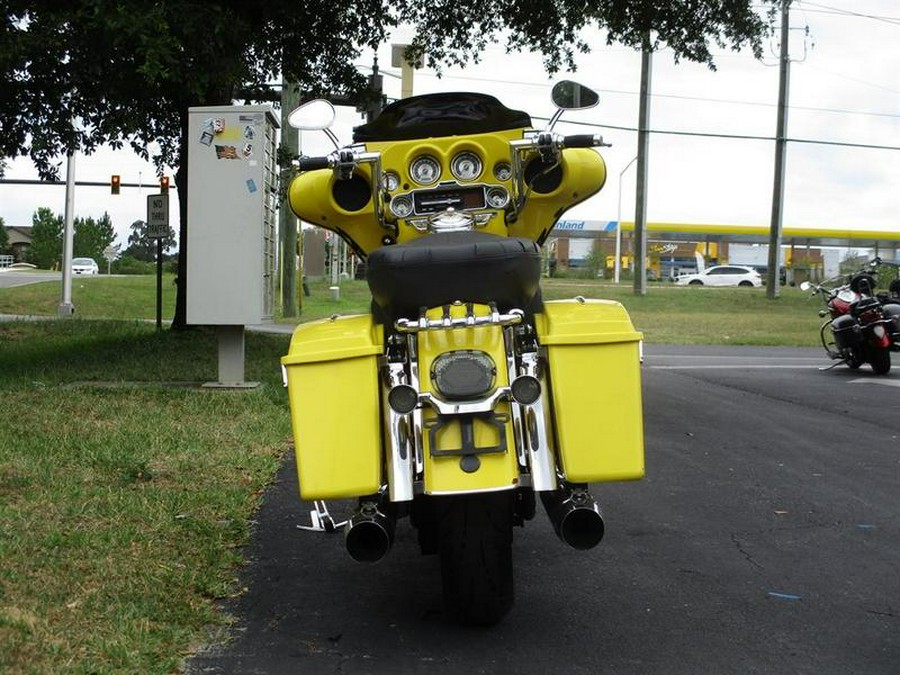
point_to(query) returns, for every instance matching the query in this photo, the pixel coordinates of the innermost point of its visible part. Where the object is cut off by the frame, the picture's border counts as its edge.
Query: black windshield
(446, 114)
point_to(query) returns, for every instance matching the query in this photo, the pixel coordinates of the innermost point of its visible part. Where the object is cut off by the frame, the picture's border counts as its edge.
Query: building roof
(744, 234)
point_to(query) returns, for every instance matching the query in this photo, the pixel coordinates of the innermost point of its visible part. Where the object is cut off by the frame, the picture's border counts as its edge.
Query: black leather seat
(439, 269)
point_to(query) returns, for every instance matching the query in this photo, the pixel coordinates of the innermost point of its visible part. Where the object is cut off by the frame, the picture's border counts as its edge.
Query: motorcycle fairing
(314, 199)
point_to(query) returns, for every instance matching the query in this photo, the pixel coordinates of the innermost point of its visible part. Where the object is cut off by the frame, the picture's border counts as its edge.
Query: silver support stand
(231, 359)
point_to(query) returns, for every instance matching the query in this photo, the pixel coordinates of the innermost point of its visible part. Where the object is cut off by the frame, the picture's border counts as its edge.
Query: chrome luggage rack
(470, 320)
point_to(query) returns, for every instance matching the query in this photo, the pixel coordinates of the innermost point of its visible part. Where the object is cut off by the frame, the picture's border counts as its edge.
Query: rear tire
(695, 282)
(880, 360)
(475, 548)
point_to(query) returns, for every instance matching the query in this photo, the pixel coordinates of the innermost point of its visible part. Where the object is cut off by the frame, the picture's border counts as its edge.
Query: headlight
(402, 206)
(463, 375)
(466, 166)
(425, 170)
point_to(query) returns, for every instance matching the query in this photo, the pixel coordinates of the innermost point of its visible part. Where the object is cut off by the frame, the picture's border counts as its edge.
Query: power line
(704, 99)
(740, 137)
(826, 9)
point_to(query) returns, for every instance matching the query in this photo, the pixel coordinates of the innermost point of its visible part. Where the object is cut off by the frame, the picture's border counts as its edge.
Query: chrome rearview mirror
(315, 115)
(805, 286)
(569, 95)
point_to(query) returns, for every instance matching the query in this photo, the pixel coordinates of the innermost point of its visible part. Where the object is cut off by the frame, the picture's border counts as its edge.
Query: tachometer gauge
(466, 166)
(425, 170)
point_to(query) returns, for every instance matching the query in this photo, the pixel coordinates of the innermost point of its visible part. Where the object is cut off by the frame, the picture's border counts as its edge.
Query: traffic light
(115, 182)
(163, 184)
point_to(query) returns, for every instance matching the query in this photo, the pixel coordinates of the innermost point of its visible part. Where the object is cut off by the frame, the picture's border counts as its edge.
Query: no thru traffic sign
(158, 216)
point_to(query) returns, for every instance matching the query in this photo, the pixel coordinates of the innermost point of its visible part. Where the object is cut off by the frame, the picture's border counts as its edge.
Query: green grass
(125, 499)
(666, 314)
(126, 492)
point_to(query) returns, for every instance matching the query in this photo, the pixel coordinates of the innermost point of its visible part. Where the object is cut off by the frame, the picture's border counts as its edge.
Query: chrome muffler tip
(575, 516)
(369, 534)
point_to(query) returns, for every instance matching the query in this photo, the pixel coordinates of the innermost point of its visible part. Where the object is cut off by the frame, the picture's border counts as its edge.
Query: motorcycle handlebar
(313, 163)
(582, 141)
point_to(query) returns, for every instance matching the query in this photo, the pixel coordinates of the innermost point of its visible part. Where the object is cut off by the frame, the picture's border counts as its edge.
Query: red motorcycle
(862, 327)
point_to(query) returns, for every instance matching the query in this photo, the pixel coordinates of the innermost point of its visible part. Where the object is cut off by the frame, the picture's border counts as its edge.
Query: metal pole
(640, 210)
(290, 99)
(159, 270)
(66, 308)
(618, 264)
(774, 272)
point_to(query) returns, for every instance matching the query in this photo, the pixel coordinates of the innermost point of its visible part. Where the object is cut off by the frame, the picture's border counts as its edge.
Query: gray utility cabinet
(232, 215)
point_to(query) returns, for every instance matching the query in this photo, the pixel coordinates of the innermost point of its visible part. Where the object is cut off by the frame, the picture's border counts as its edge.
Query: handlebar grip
(581, 141)
(312, 163)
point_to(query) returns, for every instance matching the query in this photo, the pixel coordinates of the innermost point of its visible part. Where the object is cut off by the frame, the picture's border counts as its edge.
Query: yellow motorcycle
(462, 395)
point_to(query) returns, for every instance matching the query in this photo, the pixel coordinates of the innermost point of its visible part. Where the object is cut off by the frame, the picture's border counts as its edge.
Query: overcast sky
(844, 89)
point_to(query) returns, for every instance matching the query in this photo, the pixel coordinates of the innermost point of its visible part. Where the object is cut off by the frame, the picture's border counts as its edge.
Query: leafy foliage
(81, 74)
(127, 72)
(92, 237)
(455, 32)
(46, 238)
(4, 237)
(141, 246)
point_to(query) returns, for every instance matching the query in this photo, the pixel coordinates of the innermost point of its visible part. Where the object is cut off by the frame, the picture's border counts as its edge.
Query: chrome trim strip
(402, 439)
(468, 407)
(514, 317)
(537, 440)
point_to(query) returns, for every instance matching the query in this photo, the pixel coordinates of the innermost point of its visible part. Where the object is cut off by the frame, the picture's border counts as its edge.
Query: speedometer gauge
(466, 166)
(425, 170)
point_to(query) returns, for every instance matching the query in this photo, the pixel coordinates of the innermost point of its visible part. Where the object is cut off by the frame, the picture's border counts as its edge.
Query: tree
(127, 72)
(46, 239)
(458, 32)
(4, 237)
(142, 247)
(92, 236)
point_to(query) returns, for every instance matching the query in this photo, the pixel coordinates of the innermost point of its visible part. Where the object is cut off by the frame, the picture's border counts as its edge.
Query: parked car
(85, 266)
(722, 275)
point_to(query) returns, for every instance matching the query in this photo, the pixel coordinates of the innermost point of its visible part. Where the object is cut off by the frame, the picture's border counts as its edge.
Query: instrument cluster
(434, 195)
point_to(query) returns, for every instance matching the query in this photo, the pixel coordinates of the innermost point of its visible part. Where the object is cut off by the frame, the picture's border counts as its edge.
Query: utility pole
(773, 274)
(640, 208)
(66, 308)
(290, 299)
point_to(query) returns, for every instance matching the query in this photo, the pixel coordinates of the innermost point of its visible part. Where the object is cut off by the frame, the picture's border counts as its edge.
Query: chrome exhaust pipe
(575, 516)
(369, 533)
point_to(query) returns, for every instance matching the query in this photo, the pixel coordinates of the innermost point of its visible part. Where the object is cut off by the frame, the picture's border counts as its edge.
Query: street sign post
(158, 228)
(158, 216)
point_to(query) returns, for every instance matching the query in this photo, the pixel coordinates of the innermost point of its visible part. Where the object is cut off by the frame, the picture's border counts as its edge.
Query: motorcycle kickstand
(321, 520)
(842, 362)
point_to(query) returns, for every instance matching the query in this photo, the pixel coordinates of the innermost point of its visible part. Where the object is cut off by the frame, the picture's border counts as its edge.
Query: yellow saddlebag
(331, 371)
(594, 358)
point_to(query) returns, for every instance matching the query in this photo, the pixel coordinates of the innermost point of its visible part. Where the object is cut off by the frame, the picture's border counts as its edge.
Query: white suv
(722, 275)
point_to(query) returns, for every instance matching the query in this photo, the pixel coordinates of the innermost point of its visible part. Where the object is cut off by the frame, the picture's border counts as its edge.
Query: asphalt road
(764, 539)
(12, 278)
